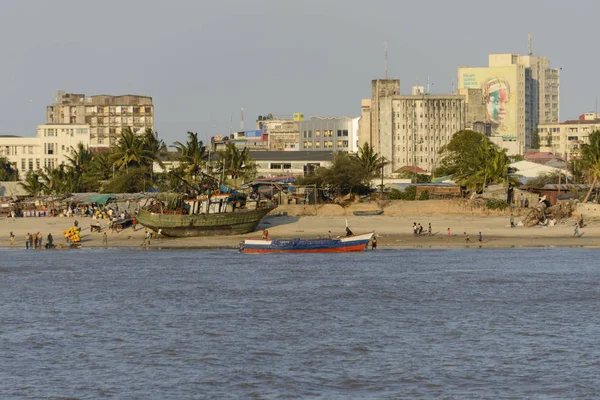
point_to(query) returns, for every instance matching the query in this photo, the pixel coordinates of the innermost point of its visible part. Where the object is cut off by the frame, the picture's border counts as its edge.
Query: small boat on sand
(367, 213)
(298, 245)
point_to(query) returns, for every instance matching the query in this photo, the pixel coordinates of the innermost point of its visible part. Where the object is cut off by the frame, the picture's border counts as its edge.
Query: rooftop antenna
(385, 58)
(242, 119)
(231, 124)
(427, 84)
(530, 44)
(452, 85)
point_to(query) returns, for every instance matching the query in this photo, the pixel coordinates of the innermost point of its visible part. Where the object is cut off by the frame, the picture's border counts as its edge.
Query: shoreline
(394, 232)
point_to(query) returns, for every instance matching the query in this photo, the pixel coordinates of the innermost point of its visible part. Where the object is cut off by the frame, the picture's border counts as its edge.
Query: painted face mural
(497, 93)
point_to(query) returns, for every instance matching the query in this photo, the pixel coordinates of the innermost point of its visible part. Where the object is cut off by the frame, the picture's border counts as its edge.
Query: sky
(203, 61)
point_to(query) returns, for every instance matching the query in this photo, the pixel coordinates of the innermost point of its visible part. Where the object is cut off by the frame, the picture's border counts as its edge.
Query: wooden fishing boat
(367, 213)
(204, 216)
(298, 245)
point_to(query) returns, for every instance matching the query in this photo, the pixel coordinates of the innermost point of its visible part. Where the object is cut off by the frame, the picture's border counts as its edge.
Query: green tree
(237, 164)
(7, 171)
(193, 154)
(590, 160)
(33, 183)
(345, 176)
(474, 161)
(535, 140)
(371, 162)
(131, 151)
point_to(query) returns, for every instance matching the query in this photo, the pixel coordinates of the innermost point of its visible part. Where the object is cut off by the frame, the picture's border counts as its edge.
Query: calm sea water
(135, 324)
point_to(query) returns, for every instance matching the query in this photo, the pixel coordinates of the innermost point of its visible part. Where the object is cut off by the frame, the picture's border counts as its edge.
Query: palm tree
(130, 151)
(236, 163)
(590, 160)
(192, 156)
(33, 183)
(371, 162)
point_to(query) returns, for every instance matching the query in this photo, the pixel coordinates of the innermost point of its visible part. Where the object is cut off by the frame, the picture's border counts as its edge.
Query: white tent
(528, 170)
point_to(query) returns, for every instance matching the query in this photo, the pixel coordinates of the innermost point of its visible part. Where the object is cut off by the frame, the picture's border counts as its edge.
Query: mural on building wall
(496, 85)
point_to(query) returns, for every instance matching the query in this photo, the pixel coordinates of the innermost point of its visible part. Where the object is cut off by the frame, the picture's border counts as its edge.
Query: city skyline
(202, 62)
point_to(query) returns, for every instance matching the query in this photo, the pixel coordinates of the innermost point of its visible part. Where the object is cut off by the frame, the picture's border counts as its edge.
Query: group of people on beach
(418, 229)
(34, 241)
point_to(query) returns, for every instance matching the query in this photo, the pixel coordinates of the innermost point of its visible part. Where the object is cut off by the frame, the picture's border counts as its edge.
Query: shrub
(496, 204)
(410, 193)
(424, 195)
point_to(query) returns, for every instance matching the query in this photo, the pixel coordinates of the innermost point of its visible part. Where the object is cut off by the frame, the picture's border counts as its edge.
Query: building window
(22, 164)
(317, 133)
(276, 166)
(31, 164)
(37, 163)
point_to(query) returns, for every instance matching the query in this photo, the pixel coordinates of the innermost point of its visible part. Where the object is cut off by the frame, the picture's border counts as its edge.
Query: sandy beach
(394, 229)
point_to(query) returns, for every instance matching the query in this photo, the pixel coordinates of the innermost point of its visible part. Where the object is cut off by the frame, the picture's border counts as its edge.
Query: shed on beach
(13, 190)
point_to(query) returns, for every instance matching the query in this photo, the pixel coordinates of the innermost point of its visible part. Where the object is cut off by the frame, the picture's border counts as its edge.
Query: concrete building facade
(409, 130)
(565, 139)
(327, 133)
(48, 149)
(105, 115)
(518, 93)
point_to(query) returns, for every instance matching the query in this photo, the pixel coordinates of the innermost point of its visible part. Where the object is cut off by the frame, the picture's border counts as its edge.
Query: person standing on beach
(159, 234)
(576, 231)
(105, 239)
(522, 200)
(28, 241)
(429, 231)
(512, 221)
(467, 238)
(480, 237)
(374, 243)
(12, 238)
(448, 232)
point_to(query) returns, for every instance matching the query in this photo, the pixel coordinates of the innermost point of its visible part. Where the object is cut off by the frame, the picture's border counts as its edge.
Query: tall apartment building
(408, 130)
(519, 92)
(105, 115)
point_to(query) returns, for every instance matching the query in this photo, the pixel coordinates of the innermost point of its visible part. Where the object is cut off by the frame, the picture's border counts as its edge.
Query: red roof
(414, 169)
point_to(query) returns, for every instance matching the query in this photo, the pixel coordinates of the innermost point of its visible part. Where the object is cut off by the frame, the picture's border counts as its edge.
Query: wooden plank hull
(367, 213)
(297, 245)
(218, 224)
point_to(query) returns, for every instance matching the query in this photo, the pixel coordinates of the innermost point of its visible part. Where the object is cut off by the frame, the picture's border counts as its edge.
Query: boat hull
(367, 213)
(218, 224)
(297, 245)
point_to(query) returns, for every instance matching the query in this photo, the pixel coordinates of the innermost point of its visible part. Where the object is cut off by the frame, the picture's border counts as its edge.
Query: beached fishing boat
(218, 214)
(297, 245)
(367, 213)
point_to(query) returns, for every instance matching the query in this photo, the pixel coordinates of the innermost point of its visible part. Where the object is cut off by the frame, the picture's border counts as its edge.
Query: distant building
(253, 140)
(409, 130)
(565, 139)
(518, 93)
(105, 115)
(49, 148)
(290, 163)
(328, 133)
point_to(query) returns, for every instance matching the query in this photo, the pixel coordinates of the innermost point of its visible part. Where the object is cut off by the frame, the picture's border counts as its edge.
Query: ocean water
(385, 324)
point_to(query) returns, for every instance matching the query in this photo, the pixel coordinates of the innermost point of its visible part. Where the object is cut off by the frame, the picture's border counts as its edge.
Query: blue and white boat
(298, 245)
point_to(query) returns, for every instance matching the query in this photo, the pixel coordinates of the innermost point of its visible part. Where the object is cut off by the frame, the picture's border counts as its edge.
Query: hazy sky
(202, 61)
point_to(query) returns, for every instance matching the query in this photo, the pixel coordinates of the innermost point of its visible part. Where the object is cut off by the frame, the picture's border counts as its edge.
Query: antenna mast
(242, 120)
(385, 58)
(530, 44)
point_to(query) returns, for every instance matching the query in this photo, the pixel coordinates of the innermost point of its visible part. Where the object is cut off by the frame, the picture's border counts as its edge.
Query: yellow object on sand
(72, 234)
